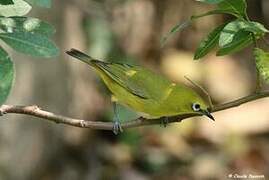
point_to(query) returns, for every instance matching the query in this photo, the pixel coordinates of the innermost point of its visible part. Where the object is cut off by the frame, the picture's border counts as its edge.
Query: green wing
(137, 80)
(124, 75)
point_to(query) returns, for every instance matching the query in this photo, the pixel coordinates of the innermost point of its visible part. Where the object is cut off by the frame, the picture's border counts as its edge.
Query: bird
(144, 91)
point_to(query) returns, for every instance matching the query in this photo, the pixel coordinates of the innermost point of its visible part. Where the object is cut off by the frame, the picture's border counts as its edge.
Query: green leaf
(255, 27)
(229, 31)
(41, 3)
(210, 1)
(29, 43)
(26, 24)
(176, 28)
(19, 8)
(6, 2)
(213, 12)
(232, 28)
(226, 7)
(234, 6)
(262, 63)
(6, 75)
(241, 40)
(209, 42)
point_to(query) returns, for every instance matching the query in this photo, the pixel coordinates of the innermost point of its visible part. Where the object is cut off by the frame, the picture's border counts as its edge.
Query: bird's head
(200, 107)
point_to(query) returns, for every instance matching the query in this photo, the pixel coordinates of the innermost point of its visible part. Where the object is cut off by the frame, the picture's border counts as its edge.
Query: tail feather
(81, 56)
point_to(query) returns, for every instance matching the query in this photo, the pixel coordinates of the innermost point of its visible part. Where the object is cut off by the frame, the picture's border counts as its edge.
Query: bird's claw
(164, 121)
(2, 112)
(117, 128)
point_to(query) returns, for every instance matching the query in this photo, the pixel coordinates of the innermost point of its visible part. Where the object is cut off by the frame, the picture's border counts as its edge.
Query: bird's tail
(81, 56)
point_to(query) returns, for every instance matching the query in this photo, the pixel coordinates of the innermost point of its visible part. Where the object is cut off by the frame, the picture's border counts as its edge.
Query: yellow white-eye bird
(144, 91)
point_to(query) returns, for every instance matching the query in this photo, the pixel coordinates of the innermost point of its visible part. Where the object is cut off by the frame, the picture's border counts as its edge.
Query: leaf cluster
(26, 35)
(231, 36)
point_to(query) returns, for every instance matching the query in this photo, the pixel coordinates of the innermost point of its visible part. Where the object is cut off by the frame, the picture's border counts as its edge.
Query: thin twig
(258, 78)
(37, 112)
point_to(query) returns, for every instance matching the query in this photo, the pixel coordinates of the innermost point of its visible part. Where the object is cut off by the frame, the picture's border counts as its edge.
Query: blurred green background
(130, 31)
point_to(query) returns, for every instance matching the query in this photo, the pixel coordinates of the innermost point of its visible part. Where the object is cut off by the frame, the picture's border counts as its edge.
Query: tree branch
(37, 112)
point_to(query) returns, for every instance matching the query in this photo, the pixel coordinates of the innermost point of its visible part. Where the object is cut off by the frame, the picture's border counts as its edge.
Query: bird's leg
(116, 126)
(164, 121)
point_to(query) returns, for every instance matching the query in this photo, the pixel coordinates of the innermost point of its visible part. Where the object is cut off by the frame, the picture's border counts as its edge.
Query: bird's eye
(196, 107)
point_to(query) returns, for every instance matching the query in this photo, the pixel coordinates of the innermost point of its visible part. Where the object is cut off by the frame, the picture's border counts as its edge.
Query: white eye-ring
(196, 107)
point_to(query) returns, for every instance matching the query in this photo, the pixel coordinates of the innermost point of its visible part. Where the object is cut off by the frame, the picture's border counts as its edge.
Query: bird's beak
(207, 113)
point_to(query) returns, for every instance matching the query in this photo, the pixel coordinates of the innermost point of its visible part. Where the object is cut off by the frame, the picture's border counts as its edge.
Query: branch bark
(38, 112)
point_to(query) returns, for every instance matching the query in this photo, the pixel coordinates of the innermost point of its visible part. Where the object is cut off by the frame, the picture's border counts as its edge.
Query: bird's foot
(164, 121)
(117, 128)
(2, 111)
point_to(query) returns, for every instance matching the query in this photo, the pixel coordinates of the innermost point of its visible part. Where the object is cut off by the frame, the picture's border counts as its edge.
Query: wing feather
(119, 73)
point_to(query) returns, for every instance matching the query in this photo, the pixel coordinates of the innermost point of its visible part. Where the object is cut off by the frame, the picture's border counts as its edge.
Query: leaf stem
(258, 76)
(258, 80)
